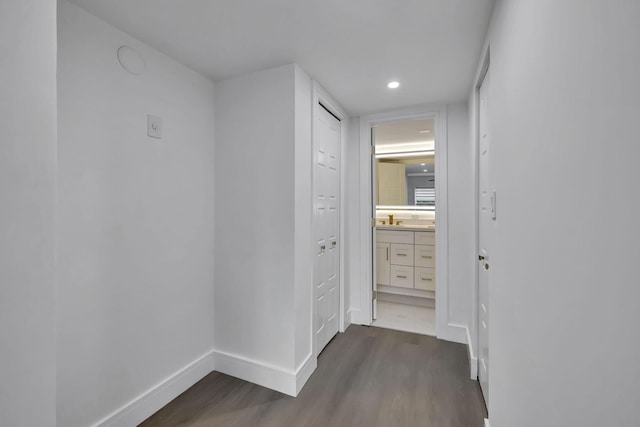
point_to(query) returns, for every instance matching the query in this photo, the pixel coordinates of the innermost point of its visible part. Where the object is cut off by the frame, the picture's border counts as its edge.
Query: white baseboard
(473, 360)
(303, 373)
(145, 405)
(357, 317)
(274, 377)
(453, 332)
(347, 319)
(486, 422)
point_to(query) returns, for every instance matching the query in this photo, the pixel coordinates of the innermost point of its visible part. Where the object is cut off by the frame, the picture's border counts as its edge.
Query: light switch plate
(154, 126)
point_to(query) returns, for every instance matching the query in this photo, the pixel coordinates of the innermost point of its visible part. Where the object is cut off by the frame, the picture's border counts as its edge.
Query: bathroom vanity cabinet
(405, 262)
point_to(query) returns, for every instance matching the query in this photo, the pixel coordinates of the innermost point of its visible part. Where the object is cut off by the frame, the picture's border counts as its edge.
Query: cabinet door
(425, 279)
(425, 256)
(382, 263)
(401, 254)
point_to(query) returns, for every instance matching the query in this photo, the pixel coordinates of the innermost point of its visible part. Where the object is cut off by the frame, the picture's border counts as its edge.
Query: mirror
(405, 181)
(404, 163)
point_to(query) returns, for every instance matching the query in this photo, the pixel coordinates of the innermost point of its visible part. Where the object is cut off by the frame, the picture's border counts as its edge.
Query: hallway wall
(135, 220)
(27, 197)
(461, 220)
(263, 263)
(564, 102)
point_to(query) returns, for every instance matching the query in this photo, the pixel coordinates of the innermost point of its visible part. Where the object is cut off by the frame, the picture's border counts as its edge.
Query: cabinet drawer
(425, 238)
(392, 236)
(401, 254)
(401, 276)
(425, 256)
(425, 279)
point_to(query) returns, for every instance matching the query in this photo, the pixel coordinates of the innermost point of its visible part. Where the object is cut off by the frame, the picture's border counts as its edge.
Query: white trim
(265, 374)
(486, 422)
(439, 113)
(347, 318)
(473, 360)
(149, 402)
(304, 371)
(321, 95)
(453, 332)
(358, 317)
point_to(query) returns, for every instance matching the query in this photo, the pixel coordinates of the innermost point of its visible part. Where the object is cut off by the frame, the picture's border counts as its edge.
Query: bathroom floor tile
(408, 318)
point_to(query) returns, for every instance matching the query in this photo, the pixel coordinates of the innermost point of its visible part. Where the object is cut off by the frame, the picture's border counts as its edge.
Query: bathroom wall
(27, 197)
(135, 221)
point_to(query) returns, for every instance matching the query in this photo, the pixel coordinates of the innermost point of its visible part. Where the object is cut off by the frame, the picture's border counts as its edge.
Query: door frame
(474, 330)
(444, 330)
(319, 95)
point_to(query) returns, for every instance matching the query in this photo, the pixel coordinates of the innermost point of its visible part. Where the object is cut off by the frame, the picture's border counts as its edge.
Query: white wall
(254, 219)
(461, 219)
(565, 99)
(263, 278)
(352, 268)
(303, 261)
(135, 220)
(27, 188)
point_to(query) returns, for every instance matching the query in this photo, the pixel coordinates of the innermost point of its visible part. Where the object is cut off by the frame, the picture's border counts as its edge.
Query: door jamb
(319, 95)
(439, 113)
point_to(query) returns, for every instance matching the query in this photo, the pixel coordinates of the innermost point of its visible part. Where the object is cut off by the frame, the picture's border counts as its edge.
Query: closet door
(326, 227)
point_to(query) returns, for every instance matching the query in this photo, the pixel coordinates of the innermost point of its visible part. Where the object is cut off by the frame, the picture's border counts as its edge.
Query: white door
(485, 219)
(326, 227)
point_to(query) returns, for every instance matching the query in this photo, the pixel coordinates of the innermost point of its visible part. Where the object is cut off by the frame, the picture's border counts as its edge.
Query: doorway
(403, 209)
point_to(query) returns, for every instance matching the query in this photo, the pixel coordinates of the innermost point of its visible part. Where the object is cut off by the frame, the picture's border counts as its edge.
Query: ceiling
(404, 131)
(353, 48)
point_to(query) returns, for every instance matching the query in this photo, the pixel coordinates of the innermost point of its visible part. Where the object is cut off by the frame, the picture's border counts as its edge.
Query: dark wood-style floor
(365, 377)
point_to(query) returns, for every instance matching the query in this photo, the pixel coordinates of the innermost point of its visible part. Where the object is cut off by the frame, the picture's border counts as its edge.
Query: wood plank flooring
(365, 377)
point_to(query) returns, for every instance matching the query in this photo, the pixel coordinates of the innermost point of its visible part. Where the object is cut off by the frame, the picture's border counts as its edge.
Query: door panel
(484, 229)
(326, 227)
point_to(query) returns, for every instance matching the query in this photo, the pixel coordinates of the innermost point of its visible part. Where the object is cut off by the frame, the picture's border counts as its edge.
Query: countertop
(408, 227)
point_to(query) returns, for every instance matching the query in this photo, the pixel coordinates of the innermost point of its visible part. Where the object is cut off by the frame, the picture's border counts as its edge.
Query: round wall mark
(131, 60)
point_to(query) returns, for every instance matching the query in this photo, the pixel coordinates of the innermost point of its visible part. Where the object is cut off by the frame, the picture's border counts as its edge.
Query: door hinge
(374, 295)
(373, 149)
(373, 222)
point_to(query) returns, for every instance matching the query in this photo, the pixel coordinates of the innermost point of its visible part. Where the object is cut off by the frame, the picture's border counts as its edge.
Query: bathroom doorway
(404, 201)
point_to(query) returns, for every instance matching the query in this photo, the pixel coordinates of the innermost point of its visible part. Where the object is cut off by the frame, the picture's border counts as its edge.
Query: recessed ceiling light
(393, 85)
(424, 131)
(422, 164)
(424, 170)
